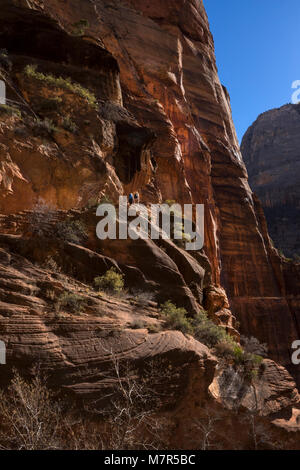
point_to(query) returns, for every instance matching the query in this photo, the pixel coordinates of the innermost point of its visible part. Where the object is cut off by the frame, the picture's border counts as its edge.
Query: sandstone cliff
(270, 149)
(156, 119)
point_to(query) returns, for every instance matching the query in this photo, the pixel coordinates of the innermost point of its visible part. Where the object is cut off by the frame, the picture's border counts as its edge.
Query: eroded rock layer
(149, 114)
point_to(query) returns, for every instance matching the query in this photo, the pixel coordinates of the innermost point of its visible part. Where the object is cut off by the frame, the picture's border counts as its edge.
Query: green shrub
(231, 350)
(45, 125)
(64, 83)
(257, 360)
(72, 302)
(176, 318)
(213, 336)
(10, 110)
(51, 264)
(201, 327)
(111, 281)
(252, 365)
(238, 354)
(207, 332)
(80, 27)
(69, 125)
(153, 328)
(253, 361)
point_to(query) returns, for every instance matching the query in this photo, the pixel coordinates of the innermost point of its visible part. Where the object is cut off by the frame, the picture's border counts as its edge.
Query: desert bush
(176, 318)
(204, 428)
(131, 418)
(249, 364)
(142, 298)
(224, 349)
(46, 125)
(201, 327)
(10, 110)
(64, 83)
(256, 359)
(229, 349)
(138, 324)
(111, 281)
(238, 354)
(207, 332)
(69, 125)
(252, 364)
(52, 265)
(73, 231)
(30, 418)
(252, 356)
(153, 328)
(79, 27)
(33, 418)
(72, 302)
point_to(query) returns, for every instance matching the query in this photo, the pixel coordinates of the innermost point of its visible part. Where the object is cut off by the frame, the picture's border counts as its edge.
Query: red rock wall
(170, 84)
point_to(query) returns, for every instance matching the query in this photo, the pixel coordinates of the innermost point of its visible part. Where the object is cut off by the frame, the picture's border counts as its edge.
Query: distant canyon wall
(271, 151)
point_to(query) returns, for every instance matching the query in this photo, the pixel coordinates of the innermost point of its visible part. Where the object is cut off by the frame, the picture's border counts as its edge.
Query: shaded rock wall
(75, 351)
(199, 149)
(270, 149)
(165, 108)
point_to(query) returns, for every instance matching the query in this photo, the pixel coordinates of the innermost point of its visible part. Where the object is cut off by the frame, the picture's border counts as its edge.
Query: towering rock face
(270, 150)
(162, 126)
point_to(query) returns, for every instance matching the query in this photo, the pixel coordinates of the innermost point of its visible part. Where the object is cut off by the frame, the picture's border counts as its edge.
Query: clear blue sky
(258, 53)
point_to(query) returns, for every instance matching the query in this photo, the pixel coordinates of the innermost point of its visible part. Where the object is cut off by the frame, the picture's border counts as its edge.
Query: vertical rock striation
(173, 121)
(270, 149)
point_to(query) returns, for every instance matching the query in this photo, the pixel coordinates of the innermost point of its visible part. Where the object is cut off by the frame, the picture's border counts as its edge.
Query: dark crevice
(133, 141)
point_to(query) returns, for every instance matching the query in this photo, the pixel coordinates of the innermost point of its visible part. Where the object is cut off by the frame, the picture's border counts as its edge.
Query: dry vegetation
(33, 417)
